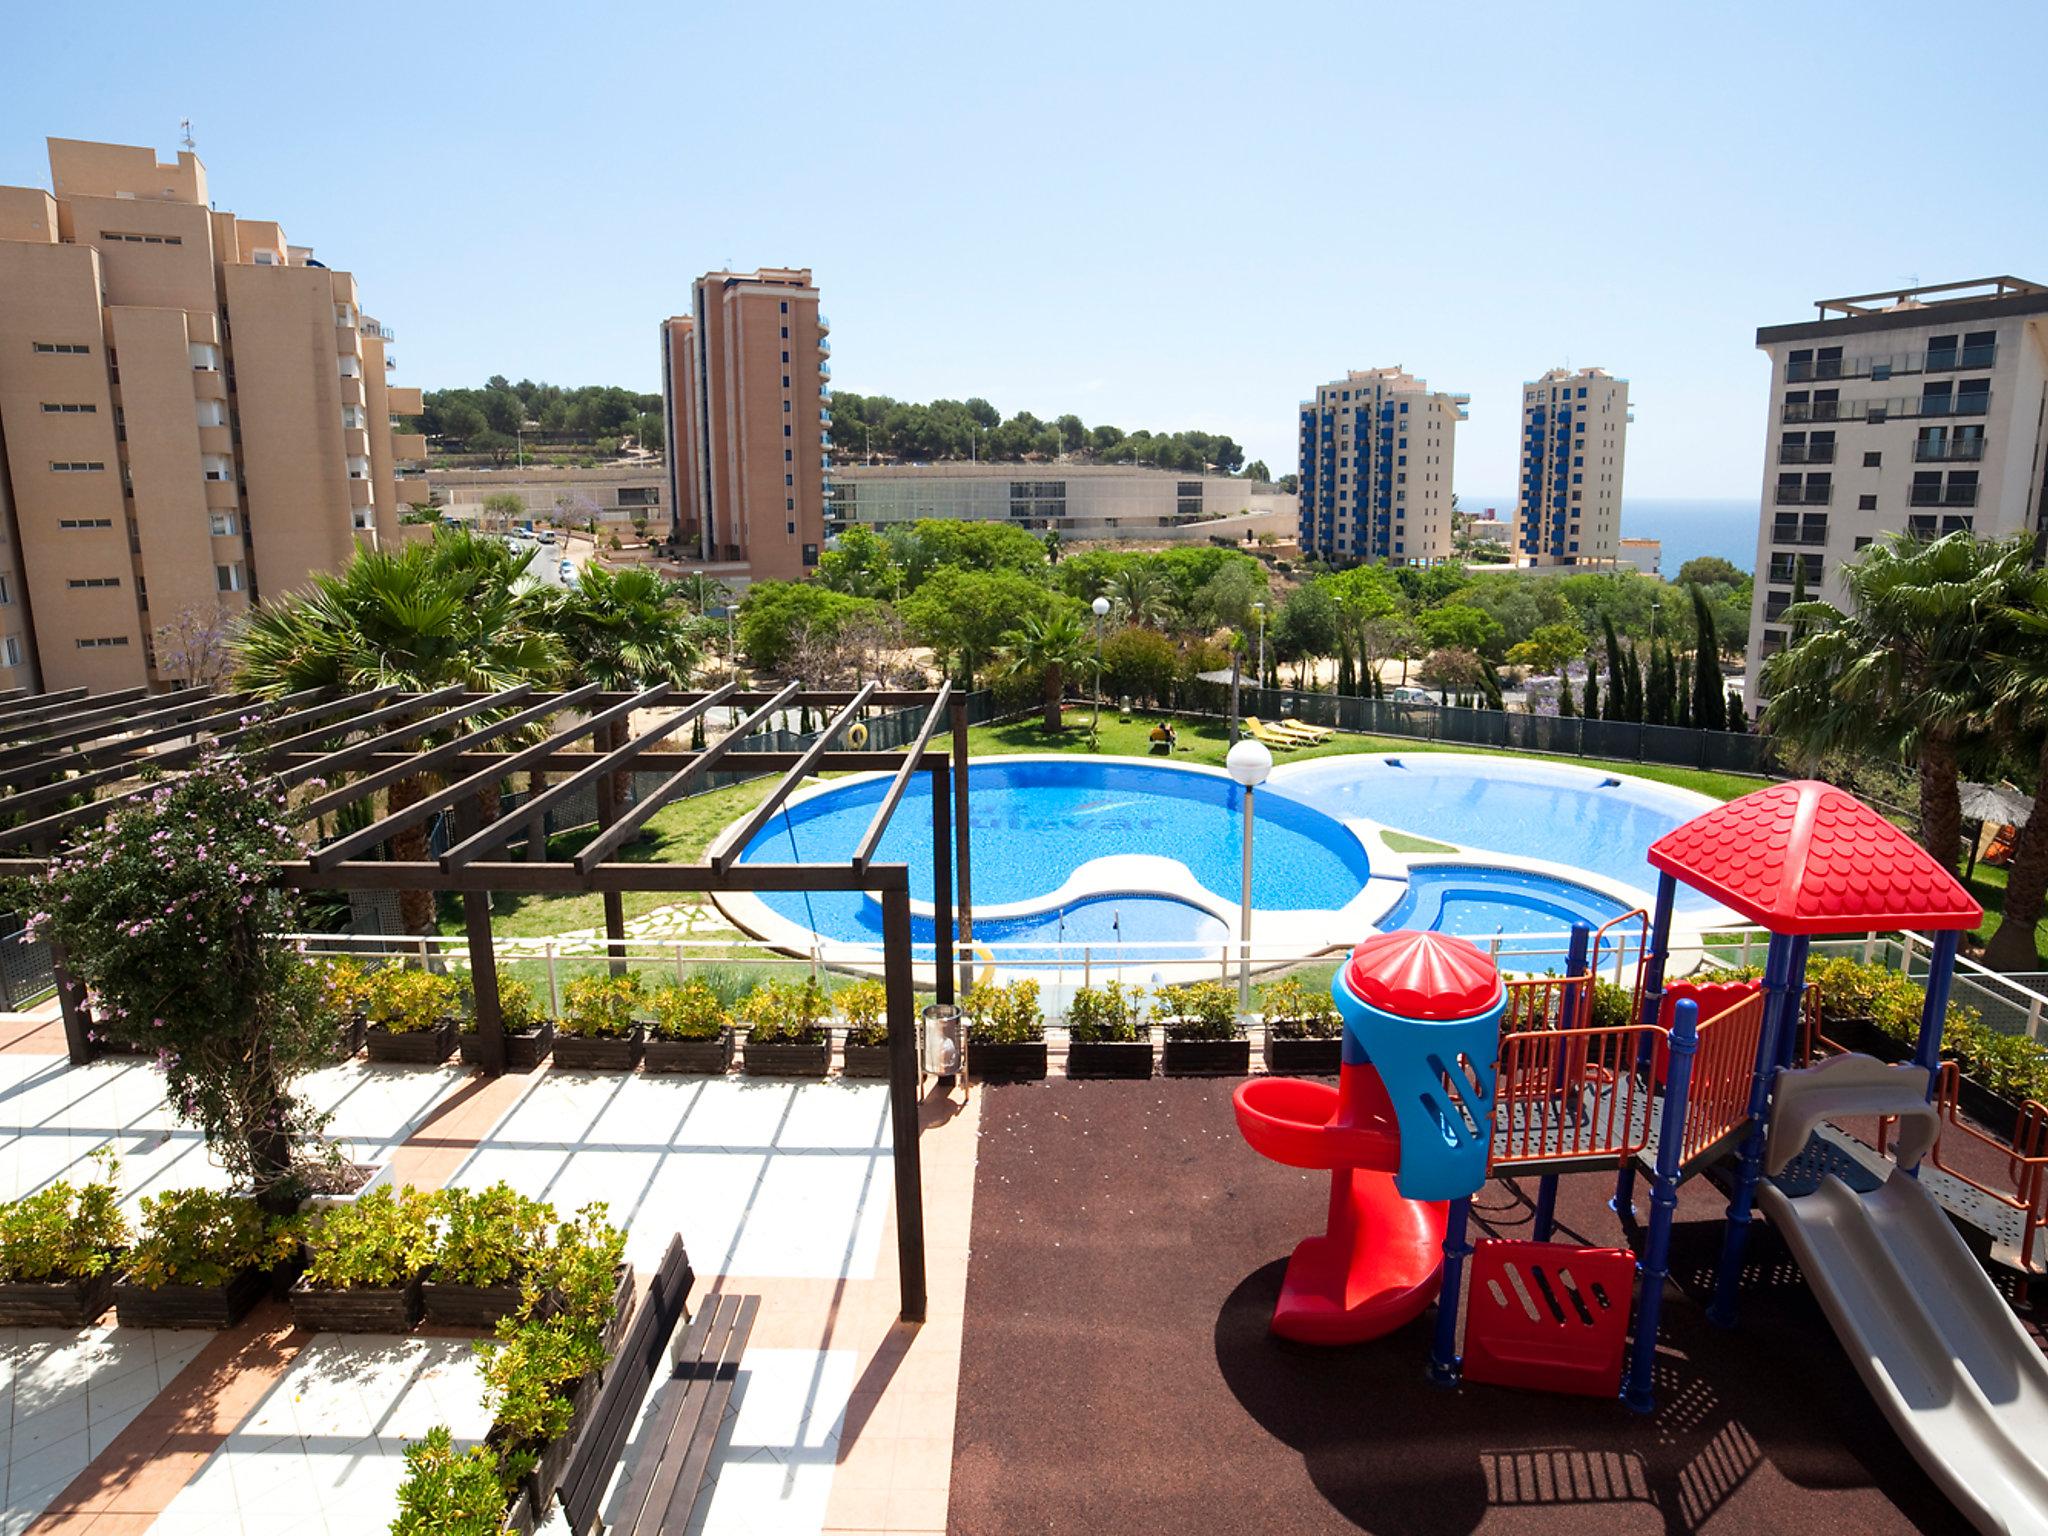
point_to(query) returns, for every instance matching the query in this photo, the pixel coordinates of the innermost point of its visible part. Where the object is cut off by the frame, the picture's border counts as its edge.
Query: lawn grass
(1401, 842)
(1987, 884)
(1204, 741)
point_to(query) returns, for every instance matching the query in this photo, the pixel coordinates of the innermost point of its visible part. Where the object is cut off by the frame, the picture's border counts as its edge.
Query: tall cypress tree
(1656, 700)
(1709, 703)
(1617, 678)
(1635, 683)
(1798, 597)
(1489, 682)
(1346, 682)
(1590, 703)
(1683, 714)
(1565, 711)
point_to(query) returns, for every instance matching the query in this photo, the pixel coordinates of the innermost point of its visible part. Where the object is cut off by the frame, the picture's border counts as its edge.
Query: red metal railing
(1571, 1094)
(1722, 1074)
(2025, 1185)
(1542, 1002)
(1641, 919)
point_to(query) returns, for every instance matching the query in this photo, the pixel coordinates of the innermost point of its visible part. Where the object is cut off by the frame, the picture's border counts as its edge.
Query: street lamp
(1101, 606)
(1654, 605)
(1248, 762)
(1259, 610)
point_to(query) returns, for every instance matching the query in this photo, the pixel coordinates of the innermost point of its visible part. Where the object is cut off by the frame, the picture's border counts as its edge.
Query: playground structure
(1706, 1075)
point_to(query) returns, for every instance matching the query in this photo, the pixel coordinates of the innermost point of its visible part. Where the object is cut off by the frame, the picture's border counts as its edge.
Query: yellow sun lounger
(1272, 738)
(1292, 732)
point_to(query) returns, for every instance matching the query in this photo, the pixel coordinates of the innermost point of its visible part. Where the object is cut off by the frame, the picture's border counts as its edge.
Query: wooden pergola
(69, 758)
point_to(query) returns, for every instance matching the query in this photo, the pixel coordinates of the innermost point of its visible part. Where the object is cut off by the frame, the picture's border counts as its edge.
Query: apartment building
(744, 385)
(1574, 438)
(1915, 410)
(193, 415)
(1108, 502)
(1376, 458)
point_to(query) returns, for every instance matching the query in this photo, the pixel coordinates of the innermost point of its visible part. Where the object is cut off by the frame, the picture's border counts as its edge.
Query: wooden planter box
(357, 1308)
(866, 1060)
(190, 1306)
(524, 1051)
(1207, 1058)
(1109, 1058)
(1993, 1111)
(538, 1486)
(468, 1306)
(56, 1303)
(353, 1031)
(418, 1048)
(713, 1056)
(600, 1053)
(1020, 1061)
(1315, 1056)
(811, 1058)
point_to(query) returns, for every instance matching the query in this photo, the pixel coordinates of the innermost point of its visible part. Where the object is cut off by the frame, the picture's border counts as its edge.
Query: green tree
(966, 614)
(1053, 545)
(774, 615)
(1307, 626)
(1048, 646)
(1141, 663)
(1903, 670)
(1617, 677)
(1550, 648)
(1257, 471)
(1711, 570)
(1457, 626)
(2021, 671)
(977, 546)
(1138, 594)
(1589, 705)
(418, 618)
(503, 508)
(1708, 699)
(862, 565)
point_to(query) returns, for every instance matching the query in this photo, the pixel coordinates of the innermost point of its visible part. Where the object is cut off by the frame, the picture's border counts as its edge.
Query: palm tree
(457, 610)
(1049, 645)
(1903, 670)
(1054, 545)
(2023, 717)
(1138, 595)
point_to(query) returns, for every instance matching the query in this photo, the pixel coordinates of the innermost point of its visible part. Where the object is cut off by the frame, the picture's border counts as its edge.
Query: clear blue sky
(1169, 216)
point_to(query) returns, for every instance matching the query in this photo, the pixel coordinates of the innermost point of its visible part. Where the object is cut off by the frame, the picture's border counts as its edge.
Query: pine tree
(1709, 702)
(1590, 702)
(1617, 677)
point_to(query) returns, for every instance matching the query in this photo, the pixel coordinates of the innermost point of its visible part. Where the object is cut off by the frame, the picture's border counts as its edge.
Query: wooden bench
(669, 1477)
(626, 1380)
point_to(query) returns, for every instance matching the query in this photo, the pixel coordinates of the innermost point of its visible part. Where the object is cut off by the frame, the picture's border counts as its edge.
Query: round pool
(1478, 901)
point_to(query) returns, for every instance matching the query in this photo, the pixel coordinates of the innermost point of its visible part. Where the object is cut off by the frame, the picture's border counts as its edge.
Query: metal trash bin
(941, 1040)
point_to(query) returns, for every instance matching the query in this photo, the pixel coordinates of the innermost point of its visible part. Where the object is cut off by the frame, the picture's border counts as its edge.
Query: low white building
(1082, 501)
(1645, 555)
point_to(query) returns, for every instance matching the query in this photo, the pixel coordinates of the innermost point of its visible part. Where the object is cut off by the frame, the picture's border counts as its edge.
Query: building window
(54, 408)
(94, 581)
(785, 404)
(64, 348)
(810, 554)
(110, 234)
(102, 642)
(638, 496)
(6, 593)
(1873, 460)
(76, 466)
(11, 648)
(1866, 503)
(785, 426)
(222, 524)
(228, 578)
(85, 522)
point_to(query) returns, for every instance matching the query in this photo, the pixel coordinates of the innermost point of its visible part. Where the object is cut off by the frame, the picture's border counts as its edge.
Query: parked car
(1405, 695)
(566, 571)
(547, 535)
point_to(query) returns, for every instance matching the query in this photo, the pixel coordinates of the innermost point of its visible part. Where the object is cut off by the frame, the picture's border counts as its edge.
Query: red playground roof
(1423, 975)
(1809, 858)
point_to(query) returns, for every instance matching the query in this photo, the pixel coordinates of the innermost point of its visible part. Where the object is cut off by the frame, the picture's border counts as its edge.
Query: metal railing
(1883, 364)
(1955, 450)
(1803, 495)
(1806, 453)
(1894, 408)
(1942, 495)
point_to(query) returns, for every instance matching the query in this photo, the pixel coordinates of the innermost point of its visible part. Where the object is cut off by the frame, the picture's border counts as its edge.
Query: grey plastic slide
(1949, 1364)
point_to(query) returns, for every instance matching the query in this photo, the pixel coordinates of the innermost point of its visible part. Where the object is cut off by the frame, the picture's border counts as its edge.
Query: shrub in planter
(1106, 1035)
(203, 1259)
(529, 1032)
(598, 1031)
(364, 1262)
(59, 1249)
(347, 986)
(489, 1241)
(447, 1492)
(412, 1015)
(864, 1007)
(785, 1029)
(1203, 1035)
(169, 917)
(1303, 1031)
(1005, 1032)
(691, 1032)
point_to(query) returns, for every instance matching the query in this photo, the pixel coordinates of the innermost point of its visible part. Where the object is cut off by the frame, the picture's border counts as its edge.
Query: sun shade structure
(1808, 858)
(68, 759)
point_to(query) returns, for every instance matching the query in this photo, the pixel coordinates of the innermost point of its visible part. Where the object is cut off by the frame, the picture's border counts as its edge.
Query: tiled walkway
(841, 1419)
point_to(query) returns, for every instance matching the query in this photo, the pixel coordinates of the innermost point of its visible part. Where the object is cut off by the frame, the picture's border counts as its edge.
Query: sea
(1688, 528)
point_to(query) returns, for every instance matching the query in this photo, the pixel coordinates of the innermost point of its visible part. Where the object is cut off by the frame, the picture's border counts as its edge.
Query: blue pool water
(1599, 823)
(1476, 901)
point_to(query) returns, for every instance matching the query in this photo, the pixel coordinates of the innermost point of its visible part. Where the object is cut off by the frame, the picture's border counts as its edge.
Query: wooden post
(942, 883)
(77, 1017)
(903, 1125)
(614, 901)
(965, 896)
(483, 957)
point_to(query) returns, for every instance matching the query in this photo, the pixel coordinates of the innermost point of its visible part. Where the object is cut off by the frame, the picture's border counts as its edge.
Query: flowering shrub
(408, 1001)
(204, 1237)
(688, 1010)
(169, 917)
(383, 1238)
(600, 1005)
(64, 1231)
(783, 1012)
(864, 1005)
(348, 987)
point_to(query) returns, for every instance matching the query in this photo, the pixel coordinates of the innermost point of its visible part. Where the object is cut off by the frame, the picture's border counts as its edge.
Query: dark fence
(26, 972)
(1676, 746)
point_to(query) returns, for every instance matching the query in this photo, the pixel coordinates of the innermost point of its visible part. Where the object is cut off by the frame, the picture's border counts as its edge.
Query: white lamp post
(1248, 762)
(1259, 609)
(1101, 606)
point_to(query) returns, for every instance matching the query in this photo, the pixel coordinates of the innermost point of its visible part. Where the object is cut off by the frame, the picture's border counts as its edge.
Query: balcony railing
(1885, 364)
(1943, 496)
(1803, 495)
(1792, 533)
(1957, 450)
(1897, 408)
(1806, 453)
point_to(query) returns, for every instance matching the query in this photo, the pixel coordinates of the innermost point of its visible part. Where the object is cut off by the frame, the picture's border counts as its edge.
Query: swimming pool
(1602, 823)
(1477, 901)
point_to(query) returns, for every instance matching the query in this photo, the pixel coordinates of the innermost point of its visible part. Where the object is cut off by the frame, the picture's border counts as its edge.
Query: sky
(1165, 216)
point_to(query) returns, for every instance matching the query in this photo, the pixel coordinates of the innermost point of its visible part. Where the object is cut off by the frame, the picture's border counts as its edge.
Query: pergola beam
(864, 852)
(762, 813)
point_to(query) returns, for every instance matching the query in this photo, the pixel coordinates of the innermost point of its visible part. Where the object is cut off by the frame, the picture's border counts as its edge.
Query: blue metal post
(1443, 1355)
(1574, 991)
(1653, 1006)
(1794, 1012)
(1941, 971)
(1640, 1393)
(1728, 1274)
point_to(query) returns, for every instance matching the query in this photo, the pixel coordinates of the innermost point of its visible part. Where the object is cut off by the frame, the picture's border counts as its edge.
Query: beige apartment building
(1377, 448)
(193, 415)
(1916, 410)
(1574, 439)
(744, 403)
